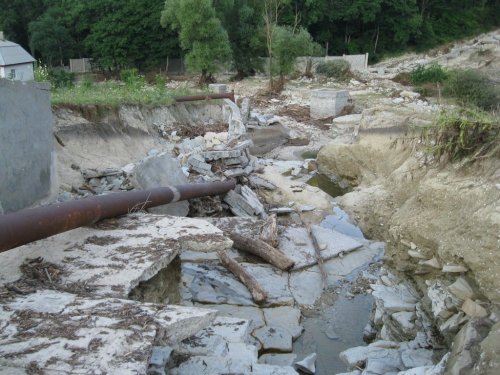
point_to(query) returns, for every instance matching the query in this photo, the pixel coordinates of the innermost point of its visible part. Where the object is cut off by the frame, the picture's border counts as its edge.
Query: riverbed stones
(443, 303)
(464, 351)
(473, 309)
(461, 289)
(307, 365)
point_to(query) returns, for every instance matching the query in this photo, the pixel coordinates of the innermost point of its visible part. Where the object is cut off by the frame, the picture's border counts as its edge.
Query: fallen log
(262, 250)
(269, 231)
(258, 294)
(317, 250)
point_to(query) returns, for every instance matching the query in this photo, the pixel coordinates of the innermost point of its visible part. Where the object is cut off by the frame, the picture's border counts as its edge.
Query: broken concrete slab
(198, 164)
(258, 182)
(298, 246)
(158, 171)
(213, 340)
(61, 332)
(306, 286)
(285, 317)
(210, 283)
(254, 315)
(244, 203)
(274, 338)
(273, 281)
(217, 155)
(346, 265)
(114, 256)
(265, 369)
(212, 365)
(394, 299)
(278, 359)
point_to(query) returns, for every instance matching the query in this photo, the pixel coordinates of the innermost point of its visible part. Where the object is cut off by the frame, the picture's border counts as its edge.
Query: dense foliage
(127, 33)
(337, 69)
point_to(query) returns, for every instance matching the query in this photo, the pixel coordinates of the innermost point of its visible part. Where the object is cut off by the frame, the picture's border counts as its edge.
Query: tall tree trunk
(376, 40)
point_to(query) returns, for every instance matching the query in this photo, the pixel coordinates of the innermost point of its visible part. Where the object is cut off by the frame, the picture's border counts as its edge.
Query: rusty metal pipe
(32, 224)
(192, 98)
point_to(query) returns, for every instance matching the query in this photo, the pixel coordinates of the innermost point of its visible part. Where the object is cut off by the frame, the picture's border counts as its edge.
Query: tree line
(120, 34)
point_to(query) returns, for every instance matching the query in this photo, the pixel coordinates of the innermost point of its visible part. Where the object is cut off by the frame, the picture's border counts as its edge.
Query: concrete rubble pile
(408, 339)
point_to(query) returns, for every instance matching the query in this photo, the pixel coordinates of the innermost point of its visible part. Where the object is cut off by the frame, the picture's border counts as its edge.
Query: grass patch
(461, 133)
(471, 87)
(115, 93)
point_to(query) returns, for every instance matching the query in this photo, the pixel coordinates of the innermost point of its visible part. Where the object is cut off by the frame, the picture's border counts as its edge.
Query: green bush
(338, 69)
(471, 87)
(132, 78)
(160, 82)
(428, 74)
(461, 133)
(61, 78)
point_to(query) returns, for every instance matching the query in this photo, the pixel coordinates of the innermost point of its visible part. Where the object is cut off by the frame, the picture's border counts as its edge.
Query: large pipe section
(28, 225)
(192, 98)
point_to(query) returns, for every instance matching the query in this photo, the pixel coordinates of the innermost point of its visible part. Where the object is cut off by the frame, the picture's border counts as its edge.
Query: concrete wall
(23, 72)
(27, 156)
(358, 62)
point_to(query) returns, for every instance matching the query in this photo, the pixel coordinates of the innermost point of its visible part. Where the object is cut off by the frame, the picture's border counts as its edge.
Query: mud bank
(440, 223)
(109, 137)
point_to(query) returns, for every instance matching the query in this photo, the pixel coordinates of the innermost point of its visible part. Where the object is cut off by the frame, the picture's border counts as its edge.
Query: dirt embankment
(448, 211)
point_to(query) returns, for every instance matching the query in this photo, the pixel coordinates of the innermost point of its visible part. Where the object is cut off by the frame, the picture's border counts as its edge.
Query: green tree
(51, 38)
(201, 35)
(288, 43)
(242, 19)
(15, 16)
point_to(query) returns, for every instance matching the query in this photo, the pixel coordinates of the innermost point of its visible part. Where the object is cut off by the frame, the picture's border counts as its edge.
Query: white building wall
(23, 72)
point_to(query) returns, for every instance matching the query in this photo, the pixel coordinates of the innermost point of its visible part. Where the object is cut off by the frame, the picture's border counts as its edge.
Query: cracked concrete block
(91, 334)
(274, 338)
(286, 317)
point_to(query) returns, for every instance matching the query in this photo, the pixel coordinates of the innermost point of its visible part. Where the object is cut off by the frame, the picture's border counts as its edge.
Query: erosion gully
(335, 322)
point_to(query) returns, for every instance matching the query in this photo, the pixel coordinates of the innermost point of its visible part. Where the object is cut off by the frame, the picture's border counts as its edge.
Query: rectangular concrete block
(328, 103)
(217, 88)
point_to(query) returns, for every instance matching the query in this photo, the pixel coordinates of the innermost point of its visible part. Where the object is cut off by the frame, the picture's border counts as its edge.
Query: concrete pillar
(328, 103)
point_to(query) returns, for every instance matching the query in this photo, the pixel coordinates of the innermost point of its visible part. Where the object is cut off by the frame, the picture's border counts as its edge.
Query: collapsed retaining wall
(26, 144)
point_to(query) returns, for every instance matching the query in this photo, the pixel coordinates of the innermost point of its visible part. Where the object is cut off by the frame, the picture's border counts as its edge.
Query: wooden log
(317, 250)
(262, 250)
(258, 294)
(269, 231)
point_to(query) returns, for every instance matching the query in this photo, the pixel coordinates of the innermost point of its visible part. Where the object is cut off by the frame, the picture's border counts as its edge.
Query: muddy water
(336, 328)
(328, 186)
